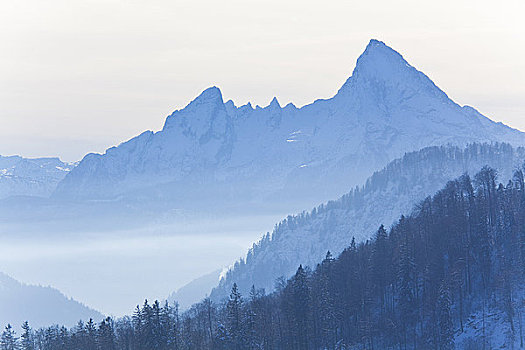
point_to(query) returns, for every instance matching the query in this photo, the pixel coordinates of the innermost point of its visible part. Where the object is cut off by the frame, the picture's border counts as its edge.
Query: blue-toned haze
(139, 218)
(226, 117)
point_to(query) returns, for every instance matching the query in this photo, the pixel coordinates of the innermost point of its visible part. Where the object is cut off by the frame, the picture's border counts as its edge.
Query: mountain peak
(382, 70)
(274, 103)
(210, 95)
(202, 105)
(379, 59)
(375, 45)
(379, 48)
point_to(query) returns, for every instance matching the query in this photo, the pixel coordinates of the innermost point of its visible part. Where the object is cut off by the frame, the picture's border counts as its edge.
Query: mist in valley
(114, 270)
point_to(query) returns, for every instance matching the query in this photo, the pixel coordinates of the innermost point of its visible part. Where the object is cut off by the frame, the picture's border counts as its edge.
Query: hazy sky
(80, 76)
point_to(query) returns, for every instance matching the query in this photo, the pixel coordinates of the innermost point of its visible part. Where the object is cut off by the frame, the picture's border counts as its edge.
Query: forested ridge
(422, 284)
(403, 183)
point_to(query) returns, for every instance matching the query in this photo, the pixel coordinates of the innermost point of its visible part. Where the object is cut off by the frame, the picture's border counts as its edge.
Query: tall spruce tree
(8, 340)
(26, 339)
(235, 325)
(445, 326)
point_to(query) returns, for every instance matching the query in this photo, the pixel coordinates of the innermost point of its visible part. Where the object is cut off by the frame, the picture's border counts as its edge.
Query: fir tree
(26, 340)
(446, 331)
(8, 340)
(106, 335)
(235, 319)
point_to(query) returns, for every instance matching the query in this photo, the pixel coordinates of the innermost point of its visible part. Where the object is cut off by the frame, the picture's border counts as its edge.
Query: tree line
(413, 286)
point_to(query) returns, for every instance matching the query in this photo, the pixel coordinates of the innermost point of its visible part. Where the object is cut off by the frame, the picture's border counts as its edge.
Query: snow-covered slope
(40, 306)
(213, 151)
(389, 193)
(31, 177)
(492, 330)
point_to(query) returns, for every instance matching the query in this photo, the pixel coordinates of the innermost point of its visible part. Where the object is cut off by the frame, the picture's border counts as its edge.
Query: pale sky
(81, 76)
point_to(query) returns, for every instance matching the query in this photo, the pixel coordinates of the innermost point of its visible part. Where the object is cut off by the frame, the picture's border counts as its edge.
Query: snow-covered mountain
(40, 306)
(31, 176)
(212, 151)
(387, 194)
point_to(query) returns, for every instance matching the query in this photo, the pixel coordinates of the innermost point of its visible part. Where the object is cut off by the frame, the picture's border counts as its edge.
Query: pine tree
(380, 263)
(91, 335)
(251, 320)
(222, 339)
(27, 342)
(406, 288)
(445, 327)
(301, 308)
(106, 335)
(234, 319)
(324, 302)
(156, 326)
(8, 340)
(80, 335)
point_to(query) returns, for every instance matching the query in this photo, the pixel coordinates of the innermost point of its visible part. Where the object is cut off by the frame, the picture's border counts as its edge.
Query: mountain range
(212, 152)
(31, 176)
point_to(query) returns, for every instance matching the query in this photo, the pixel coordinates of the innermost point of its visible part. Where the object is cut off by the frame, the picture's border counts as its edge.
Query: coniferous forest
(435, 277)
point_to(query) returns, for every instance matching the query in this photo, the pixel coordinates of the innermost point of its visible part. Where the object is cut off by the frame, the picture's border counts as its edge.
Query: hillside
(448, 276)
(305, 238)
(40, 306)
